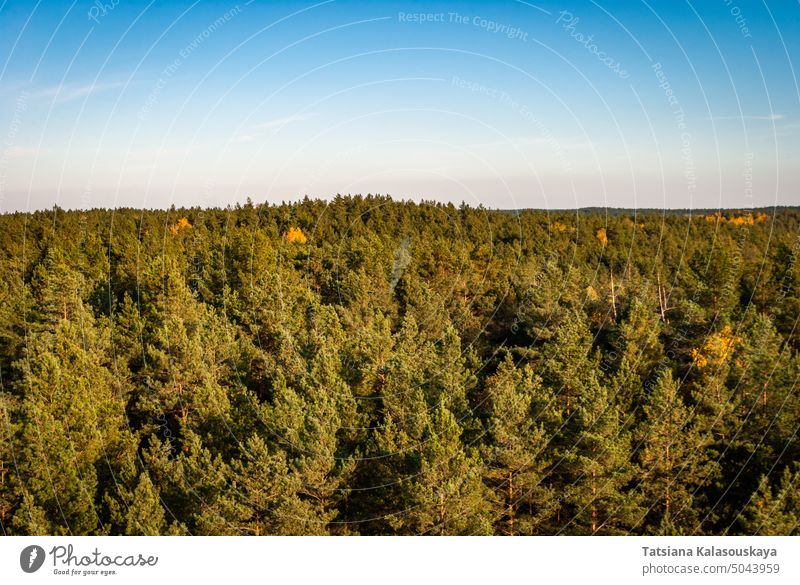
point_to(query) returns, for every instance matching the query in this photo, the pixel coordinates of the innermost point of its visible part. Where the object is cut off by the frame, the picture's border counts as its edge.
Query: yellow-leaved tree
(295, 235)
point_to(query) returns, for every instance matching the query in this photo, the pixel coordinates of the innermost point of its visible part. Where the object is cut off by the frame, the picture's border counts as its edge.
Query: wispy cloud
(68, 92)
(20, 152)
(270, 127)
(768, 118)
(523, 141)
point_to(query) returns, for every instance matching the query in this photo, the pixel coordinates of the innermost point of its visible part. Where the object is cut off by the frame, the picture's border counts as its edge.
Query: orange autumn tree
(295, 235)
(602, 237)
(717, 348)
(180, 225)
(560, 227)
(738, 219)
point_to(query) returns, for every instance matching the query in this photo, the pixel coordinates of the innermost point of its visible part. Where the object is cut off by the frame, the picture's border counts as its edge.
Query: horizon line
(422, 201)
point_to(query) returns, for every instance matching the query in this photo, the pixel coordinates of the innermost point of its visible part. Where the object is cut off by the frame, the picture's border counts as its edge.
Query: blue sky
(507, 104)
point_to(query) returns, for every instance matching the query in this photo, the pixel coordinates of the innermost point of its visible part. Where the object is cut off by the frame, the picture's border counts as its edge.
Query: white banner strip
(380, 560)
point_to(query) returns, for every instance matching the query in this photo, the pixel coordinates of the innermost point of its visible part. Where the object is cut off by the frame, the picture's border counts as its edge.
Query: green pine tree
(674, 461)
(521, 424)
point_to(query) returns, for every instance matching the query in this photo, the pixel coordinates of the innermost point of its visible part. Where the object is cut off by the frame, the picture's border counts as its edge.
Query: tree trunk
(662, 299)
(666, 493)
(594, 507)
(613, 296)
(441, 513)
(510, 503)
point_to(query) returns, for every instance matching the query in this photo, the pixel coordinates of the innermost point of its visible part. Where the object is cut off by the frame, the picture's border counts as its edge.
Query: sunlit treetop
(295, 236)
(179, 226)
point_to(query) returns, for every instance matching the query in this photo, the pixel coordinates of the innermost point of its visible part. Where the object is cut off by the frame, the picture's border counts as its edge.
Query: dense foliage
(364, 366)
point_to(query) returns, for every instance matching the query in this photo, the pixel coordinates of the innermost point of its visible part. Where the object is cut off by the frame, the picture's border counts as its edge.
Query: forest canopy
(370, 366)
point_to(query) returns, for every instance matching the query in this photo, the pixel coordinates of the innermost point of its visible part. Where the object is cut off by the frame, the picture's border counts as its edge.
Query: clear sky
(508, 104)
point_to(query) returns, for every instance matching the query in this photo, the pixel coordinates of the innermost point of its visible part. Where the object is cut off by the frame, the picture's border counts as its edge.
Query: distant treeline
(365, 366)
